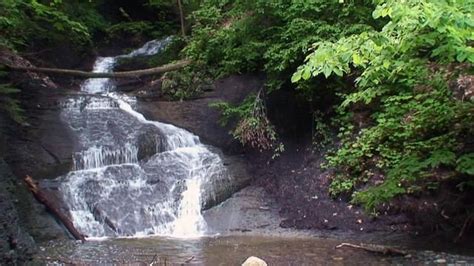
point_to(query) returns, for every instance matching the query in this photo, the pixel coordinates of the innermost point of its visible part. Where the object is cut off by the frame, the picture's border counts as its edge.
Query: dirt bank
(300, 185)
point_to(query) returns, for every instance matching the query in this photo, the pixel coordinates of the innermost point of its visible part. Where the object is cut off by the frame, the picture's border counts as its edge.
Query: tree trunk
(42, 197)
(85, 74)
(181, 17)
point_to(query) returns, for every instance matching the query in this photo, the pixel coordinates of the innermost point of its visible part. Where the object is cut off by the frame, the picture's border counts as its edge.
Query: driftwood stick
(85, 74)
(42, 197)
(466, 224)
(385, 250)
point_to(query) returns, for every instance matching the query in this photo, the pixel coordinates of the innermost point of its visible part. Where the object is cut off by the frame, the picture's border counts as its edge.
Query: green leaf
(306, 74)
(296, 76)
(357, 59)
(327, 71)
(465, 164)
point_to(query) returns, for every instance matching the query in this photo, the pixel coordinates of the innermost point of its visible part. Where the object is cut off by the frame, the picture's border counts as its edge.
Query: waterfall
(132, 176)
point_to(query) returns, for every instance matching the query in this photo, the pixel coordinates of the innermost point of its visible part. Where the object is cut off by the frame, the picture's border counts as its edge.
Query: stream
(137, 189)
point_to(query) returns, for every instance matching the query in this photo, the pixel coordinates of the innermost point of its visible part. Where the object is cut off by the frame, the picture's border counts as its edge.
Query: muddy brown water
(228, 250)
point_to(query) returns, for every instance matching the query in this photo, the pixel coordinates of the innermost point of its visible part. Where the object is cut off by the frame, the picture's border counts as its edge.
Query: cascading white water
(132, 176)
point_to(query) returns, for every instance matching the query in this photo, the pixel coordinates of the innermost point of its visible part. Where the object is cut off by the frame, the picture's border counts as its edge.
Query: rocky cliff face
(40, 147)
(16, 245)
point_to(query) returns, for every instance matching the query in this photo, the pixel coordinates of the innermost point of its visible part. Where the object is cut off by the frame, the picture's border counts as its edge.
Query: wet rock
(125, 85)
(16, 245)
(151, 91)
(40, 147)
(254, 261)
(222, 187)
(250, 209)
(199, 118)
(149, 143)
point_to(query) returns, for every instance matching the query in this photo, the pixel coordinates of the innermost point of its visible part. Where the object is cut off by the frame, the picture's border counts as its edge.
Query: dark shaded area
(16, 245)
(40, 147)
(136, 10)
(295, 121)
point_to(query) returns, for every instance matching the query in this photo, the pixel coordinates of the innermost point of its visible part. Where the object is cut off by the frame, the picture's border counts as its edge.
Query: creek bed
(228, 250)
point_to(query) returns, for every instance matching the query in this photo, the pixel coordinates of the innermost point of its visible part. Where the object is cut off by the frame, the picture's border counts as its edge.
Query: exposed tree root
(466, 225)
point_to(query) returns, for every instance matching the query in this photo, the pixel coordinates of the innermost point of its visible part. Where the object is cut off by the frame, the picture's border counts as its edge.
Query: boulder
(254, 261)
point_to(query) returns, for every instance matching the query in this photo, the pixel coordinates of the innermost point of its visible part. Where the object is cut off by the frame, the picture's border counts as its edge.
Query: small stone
(254, 261)
(359, 221)
(334, 214)
(338, 258)
(326, 221)
(408, 256)
(440, 261)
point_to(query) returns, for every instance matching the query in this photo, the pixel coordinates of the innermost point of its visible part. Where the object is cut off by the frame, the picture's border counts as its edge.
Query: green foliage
(253, 127)
(8, 103)
(140, 29)
(238, 36)
(417, 126)
(234, 36)
(186, 83)
(129, 28)
(321, 132)
(465, 164)
(26, 21)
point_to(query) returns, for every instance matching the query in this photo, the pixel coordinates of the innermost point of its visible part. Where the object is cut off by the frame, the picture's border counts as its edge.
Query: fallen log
(385, 250)
(41, 196)
(85, 74)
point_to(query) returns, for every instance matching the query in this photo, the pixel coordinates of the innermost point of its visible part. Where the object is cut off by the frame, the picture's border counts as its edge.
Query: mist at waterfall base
(132, 177)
